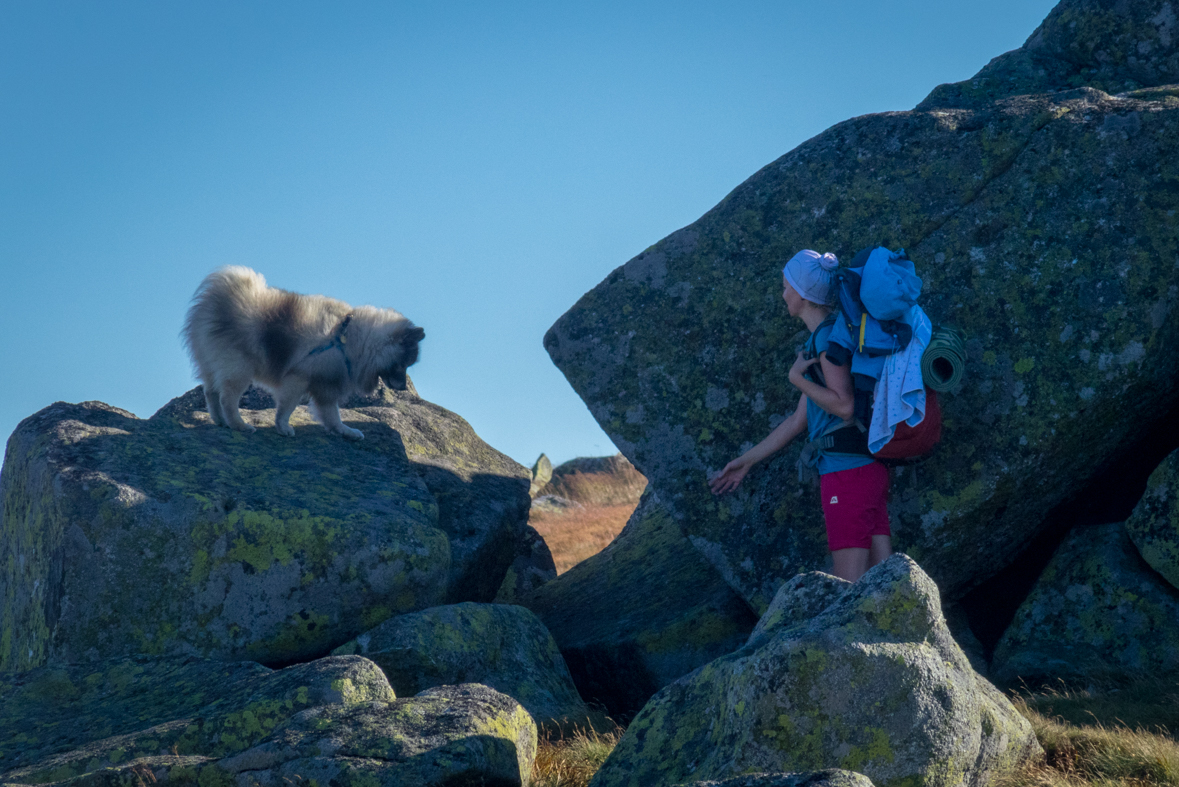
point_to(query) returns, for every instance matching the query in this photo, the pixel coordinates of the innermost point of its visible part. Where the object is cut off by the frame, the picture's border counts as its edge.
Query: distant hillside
(584, 505)
(597, 481)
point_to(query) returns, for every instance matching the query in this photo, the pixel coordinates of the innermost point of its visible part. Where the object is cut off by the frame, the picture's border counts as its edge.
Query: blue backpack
(874, 294)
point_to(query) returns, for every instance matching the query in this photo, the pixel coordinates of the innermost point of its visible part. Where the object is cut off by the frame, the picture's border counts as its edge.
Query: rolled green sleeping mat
(944, 360)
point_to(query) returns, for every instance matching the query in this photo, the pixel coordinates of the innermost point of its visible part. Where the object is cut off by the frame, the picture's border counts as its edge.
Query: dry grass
(1102, 738)
(577, 533)
(571, 761)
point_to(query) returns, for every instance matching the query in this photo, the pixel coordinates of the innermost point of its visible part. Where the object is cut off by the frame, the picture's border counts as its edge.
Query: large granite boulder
(502, 646)
(1097, 611)
(171, 536)
(60, 723)
(1154, 525)
(874, 684)
(641, 613)
(1045, 225)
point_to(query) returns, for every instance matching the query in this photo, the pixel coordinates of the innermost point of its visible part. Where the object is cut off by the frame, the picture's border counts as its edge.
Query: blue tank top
(819, 421)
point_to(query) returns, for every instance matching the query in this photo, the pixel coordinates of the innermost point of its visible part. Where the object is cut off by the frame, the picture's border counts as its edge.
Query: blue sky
(477, 166)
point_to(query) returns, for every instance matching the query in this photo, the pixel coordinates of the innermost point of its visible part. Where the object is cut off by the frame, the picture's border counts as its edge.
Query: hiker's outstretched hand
(729, 477)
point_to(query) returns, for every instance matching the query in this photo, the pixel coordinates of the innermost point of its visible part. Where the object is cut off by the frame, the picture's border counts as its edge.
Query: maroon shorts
(855, 506)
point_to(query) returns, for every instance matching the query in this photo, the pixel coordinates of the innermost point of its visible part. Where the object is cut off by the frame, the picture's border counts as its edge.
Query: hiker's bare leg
(881, 549)
(850, 563)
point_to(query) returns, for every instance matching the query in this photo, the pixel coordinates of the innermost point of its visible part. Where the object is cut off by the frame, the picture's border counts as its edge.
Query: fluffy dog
(239, 331)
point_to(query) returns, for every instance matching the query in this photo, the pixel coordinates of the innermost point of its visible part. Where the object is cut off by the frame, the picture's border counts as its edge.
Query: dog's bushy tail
(224, 294)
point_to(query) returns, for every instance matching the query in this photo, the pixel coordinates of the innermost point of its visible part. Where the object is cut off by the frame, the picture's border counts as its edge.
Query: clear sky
(476, 166)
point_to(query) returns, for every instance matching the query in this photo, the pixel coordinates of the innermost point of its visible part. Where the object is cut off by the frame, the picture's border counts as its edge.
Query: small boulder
(542, 471)
(59, 723)
(446, 736)
(1097, 611)
(532, 567)
(640, 613)
(501, 646)
(1154, 525)
(874, 684)
(829, 778)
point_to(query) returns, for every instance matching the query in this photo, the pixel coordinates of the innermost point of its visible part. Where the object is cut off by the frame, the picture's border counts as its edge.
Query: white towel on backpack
(900, 392)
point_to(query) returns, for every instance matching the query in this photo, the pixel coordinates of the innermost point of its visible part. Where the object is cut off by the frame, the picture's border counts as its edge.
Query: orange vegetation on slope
(577, 533)
(603, 492)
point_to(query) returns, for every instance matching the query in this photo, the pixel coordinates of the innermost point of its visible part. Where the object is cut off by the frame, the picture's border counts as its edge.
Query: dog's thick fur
(240, 331)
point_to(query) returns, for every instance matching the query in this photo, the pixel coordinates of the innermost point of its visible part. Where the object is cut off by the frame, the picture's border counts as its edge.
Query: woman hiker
(854, 488)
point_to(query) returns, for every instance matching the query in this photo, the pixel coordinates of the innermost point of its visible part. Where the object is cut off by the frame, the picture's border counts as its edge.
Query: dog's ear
(412, 336)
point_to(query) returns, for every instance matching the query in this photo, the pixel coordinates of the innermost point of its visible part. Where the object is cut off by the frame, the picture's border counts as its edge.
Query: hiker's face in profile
(792, 298)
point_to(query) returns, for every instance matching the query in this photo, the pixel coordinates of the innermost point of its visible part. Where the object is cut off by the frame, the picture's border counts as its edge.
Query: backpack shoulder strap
(811, 348)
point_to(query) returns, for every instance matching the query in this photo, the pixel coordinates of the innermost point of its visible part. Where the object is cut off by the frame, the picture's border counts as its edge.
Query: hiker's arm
(731, 476)
(838, 397)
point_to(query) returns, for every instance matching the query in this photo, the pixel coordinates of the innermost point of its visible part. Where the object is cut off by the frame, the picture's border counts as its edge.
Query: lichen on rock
(1097, 611)
(171, 536)
(62, 723)
(501, 646)
(451, 735)
(874, 684)
(1154, 525)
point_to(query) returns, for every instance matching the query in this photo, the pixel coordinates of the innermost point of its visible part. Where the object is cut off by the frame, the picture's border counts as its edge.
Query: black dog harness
(338, 341)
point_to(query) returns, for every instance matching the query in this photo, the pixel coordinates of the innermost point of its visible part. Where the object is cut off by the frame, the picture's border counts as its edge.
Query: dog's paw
(285, 429)
(352, 434)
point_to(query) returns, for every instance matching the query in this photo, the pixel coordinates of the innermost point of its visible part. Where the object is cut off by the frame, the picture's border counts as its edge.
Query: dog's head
(404, 356)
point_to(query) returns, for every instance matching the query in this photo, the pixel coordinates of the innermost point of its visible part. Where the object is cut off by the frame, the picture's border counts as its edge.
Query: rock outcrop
(1044, 224)
(171, 536)
(641, 613)
(1154, 525)
(1097, 611)
(501, 646)
(874, 684)
(451, 735)
(185, 722)
(59, 723)
(1113, 47)
(829, 778)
